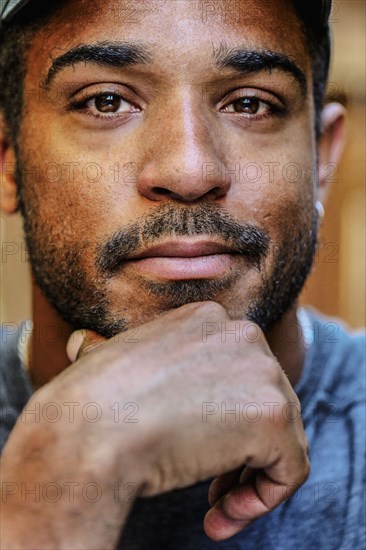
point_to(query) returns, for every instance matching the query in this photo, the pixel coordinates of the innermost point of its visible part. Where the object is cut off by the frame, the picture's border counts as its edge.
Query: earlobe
(8, 188)
(331, 144)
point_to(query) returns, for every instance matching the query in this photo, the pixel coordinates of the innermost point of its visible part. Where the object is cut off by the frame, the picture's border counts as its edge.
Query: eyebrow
(108, 54)
(124, 54)
(246, 61)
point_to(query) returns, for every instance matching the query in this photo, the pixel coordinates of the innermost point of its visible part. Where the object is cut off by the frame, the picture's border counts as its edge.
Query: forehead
(182, 35)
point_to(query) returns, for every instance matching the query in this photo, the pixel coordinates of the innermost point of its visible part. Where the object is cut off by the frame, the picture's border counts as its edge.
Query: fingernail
(74, 344)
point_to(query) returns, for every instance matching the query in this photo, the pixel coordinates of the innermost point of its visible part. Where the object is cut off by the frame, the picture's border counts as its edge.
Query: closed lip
(184, 249)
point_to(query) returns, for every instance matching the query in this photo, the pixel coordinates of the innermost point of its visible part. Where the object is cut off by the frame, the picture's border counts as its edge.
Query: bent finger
(81, 342)
(222, 484)
(257, 496)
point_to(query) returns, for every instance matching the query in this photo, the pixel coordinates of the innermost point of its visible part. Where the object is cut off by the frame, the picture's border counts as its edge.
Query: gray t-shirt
(326, 513)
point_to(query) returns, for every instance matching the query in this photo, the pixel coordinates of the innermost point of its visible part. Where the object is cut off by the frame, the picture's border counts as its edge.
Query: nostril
(161, 191)
(216, 192)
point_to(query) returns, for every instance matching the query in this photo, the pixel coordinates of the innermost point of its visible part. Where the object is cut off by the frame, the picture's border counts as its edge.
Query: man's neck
(48, 358)
(286, 340)
(47, 353)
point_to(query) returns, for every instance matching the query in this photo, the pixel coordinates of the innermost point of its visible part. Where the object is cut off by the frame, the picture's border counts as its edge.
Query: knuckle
(271, 374)
(253, 333)
(88, 347)
(196, 312)
(305, 470)
(210, 307)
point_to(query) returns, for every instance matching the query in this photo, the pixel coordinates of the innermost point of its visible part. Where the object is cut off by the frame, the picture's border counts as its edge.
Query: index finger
(81, 342)
(257, 496)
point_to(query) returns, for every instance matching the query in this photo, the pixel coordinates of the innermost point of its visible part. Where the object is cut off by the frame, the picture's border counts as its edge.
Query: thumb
(81, 342)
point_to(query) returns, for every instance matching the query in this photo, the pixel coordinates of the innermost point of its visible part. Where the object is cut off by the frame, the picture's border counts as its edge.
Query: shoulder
(15, 387)
(335, 364)
(332, 394)
(9, 358)
(341, 348)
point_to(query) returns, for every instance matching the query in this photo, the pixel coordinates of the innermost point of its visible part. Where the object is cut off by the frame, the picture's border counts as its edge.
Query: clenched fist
(185, 381)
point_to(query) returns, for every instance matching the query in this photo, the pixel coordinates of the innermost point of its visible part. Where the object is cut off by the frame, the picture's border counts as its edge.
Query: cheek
(275, 182)
(285, 205)
(78, 190)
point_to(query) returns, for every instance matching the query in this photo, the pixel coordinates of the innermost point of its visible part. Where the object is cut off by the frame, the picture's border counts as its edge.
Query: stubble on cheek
(63, 260)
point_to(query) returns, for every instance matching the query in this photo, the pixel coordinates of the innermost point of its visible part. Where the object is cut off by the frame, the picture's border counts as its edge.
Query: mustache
(169, 221)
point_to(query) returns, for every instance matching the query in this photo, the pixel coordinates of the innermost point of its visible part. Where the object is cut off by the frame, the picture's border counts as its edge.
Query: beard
(83, 301)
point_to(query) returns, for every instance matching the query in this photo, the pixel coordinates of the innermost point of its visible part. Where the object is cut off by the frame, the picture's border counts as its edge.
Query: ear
(8, 188)
(330, 144)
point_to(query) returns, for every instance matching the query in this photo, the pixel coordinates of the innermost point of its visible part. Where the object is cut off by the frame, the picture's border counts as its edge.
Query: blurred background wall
(337, 284)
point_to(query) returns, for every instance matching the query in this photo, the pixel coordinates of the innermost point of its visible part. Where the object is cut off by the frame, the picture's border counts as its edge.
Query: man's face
(178, 124)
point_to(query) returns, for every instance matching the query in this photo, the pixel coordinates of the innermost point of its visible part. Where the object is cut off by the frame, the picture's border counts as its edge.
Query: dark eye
(248, 105)
(104, 104)
(107, 103)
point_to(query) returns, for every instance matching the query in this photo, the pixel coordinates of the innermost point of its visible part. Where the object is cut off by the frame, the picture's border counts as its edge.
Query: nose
(182, 160)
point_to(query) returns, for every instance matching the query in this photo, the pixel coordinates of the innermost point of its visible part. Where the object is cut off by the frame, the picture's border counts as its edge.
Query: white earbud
(320, 209)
